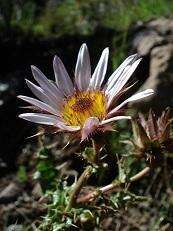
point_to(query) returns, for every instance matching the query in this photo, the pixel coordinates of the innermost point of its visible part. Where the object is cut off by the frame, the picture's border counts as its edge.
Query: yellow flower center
(82, 105)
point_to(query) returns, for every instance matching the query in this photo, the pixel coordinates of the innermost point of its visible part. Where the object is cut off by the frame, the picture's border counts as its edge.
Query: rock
(146, 40)
(15, 228)
(154, 41)
(37, 191)
(10, 193)
(162, 26)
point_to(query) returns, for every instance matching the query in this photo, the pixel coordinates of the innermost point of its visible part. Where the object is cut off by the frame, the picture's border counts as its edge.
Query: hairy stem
(91, 196)
(79, 184)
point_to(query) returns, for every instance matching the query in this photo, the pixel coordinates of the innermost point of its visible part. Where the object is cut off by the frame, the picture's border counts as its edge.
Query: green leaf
(22, 174)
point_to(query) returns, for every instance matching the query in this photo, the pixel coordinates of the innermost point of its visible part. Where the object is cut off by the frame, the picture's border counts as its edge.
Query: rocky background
(154, 41)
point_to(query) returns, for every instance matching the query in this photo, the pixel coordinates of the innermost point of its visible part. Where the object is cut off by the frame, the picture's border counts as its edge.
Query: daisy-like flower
(87, 104)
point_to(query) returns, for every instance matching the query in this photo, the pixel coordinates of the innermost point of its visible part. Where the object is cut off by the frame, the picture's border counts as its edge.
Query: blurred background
(32, 32)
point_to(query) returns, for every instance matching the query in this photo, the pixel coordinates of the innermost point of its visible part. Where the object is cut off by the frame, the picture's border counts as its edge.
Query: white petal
(134, 97)
(118, 72)
(140, 95)
(63, 80)
(68, 128)
(40, 118)
(110, 99)
(100, 71)
(83, 69)
(48, 120)
(40, 93)
(39, 104)
(115, 119)
(46, 84)
(122, 80)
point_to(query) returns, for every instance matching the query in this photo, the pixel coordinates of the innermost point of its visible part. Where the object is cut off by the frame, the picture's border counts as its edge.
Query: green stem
(91, 196)
(96, 152)
(79, 184)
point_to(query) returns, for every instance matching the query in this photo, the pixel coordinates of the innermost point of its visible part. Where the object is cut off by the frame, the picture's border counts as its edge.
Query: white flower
(86, 104)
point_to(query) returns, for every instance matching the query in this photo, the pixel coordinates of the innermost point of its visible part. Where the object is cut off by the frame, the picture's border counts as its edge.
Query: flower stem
(96, 152)
(79, 184)
(91, 196)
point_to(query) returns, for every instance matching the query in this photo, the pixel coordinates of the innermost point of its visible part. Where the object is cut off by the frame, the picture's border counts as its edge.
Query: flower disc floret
(83, 105)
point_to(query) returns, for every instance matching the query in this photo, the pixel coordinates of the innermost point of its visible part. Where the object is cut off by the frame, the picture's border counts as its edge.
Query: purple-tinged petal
(65, 127)
(90, 125)
(62, 78)
(47, 119)
(39, 104)
(40, 93)
(100, 71)
(110, 99)
(122, 80)
(49, 87)
(40, 118)
(134, 97)
(118, 72)
(83, 69)
(115, 119)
